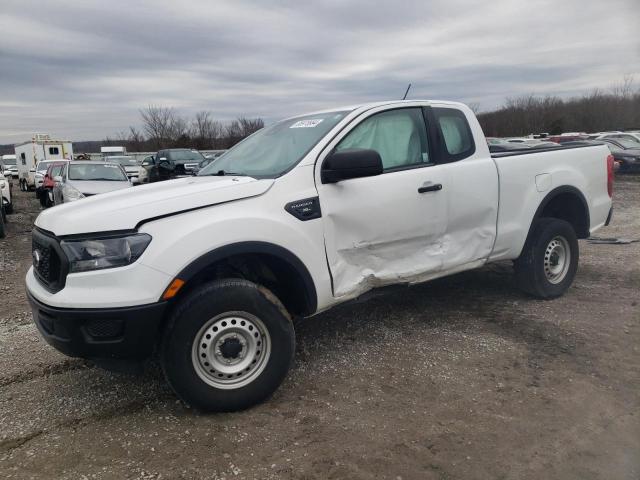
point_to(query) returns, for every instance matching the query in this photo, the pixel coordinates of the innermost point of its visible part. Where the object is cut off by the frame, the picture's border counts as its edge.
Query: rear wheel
(228, 345)
(549, 261)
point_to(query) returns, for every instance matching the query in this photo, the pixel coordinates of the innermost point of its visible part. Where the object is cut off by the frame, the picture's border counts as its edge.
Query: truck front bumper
(102, 333)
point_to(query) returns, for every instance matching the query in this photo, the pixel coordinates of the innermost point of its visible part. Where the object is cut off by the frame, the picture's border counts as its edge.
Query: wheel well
(568, 206)
(286, 280)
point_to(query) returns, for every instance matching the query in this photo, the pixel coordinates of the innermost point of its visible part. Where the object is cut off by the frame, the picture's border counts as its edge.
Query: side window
(53, 151)
(399, 136)
(23, 158)
(455, 132)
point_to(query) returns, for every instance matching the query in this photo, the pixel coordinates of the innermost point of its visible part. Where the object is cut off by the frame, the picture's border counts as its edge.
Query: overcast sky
(82, 69)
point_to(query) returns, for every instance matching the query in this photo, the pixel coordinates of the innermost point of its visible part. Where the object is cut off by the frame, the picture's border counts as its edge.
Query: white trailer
(106, 152)
(40, 147)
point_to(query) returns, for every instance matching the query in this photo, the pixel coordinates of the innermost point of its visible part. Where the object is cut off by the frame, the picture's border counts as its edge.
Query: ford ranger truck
(207, 272)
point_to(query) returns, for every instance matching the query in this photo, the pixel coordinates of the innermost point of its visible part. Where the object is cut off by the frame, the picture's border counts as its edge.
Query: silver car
(85, 178)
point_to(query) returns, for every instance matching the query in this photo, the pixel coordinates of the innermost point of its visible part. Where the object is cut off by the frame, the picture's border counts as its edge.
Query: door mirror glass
(350, 163)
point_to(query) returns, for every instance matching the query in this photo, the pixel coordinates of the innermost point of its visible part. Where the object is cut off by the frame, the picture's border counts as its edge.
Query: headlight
(99, 253)
(71, 194)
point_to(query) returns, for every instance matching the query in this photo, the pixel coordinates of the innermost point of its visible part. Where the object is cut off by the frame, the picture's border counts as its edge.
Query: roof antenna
(406, 93)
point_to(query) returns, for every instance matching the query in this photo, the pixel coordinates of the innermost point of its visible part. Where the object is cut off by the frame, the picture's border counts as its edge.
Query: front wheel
(549, 261)
(228, 345)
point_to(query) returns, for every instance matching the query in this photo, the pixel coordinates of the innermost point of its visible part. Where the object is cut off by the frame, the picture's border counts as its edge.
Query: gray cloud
(81, 69)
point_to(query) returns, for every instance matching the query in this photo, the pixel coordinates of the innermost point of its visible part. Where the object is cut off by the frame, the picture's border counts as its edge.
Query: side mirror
(57, 179)
(145, 164)
(32, 170)
(351, 163)
(162, 159)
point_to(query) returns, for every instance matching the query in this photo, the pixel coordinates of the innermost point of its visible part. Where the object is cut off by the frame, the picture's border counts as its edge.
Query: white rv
(40, 147)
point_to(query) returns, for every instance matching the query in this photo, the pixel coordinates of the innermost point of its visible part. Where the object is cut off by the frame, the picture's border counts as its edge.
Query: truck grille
(49, 262)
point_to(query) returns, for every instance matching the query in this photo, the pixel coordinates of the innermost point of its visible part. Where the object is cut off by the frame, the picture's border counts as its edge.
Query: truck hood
(125, 209)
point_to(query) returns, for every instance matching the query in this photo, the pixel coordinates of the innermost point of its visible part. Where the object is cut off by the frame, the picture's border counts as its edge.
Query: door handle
(430, 188)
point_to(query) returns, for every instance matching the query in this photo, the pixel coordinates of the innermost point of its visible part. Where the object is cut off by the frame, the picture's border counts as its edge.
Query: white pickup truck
(307, 213)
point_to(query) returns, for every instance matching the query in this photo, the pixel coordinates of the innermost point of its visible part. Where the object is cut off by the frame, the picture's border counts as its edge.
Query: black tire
(194, 313)
(534, 268)
(8, 209)
(3, 231)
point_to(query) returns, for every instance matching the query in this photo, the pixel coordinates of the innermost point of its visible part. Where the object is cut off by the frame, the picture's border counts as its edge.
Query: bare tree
(158, 124)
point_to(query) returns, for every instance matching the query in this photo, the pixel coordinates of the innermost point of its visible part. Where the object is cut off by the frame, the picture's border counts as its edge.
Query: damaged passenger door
(387, 228)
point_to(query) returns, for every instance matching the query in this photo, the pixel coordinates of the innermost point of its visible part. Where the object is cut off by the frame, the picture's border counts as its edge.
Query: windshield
(42, 166)
(626, 143)
(124, 161)
(97, 171)
(273, 150)
(186, 156)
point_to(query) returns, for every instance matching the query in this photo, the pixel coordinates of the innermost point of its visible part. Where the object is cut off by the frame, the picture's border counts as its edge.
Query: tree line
(615, 109)
(163, 127)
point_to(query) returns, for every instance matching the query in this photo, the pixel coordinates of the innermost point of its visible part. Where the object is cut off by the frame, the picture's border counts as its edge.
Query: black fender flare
(254, 247)
(553, 194)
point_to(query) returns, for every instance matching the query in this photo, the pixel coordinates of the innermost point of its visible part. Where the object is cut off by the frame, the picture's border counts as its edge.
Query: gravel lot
(460, 378)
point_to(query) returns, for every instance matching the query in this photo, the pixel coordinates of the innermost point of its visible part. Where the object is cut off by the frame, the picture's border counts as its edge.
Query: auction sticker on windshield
(306, 123)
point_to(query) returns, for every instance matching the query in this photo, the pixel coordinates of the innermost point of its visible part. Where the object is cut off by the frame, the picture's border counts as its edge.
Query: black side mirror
(351, 163)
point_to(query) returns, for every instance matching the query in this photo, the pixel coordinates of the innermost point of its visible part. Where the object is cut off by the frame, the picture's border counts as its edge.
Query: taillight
(610, 163)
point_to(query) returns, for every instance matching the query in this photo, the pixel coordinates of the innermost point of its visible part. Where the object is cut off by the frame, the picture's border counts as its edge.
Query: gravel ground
(459, 378)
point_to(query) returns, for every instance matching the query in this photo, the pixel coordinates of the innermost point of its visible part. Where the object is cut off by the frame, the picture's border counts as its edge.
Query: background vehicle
(3, 183)
(185, 160)
(82, 179)
(625, 152)
(55, 170)
(41, 147)
(303, 215)
(5, 194)
(154, 169)
(628, 136)
(10, 169)
(41, 170)
(564, 138)
(130, 165)
(107, 152)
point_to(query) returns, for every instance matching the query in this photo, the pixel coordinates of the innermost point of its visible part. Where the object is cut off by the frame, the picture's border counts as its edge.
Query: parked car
(6, 190)
(185, 160)
(564, 138)
(131, 166)
(303, 215)
(152, 169)
(55, 170)
(41, 170)
(4, 186)
(629, 136)
(9, 166)
(625, 152)
(82, 179)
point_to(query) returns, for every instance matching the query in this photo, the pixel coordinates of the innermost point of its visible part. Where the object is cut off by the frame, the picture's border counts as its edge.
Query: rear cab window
(455, 134)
